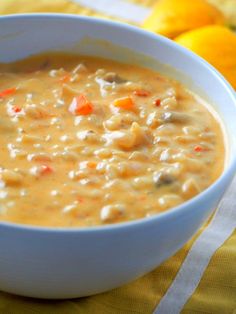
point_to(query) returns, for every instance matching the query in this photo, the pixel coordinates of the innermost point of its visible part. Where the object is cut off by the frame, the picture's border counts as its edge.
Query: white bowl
(68, 263)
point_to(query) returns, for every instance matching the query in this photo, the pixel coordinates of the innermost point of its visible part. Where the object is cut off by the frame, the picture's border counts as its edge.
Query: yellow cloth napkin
(216, 291)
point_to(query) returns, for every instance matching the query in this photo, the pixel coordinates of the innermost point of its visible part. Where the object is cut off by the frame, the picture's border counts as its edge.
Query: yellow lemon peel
(173, 17)
(217, 45)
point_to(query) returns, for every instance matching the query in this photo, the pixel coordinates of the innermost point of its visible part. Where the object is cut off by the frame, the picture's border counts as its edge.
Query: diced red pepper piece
(16, 109)
(80, 105)
(45, 169)
(157, 102)
(7, 92)
(198, 149)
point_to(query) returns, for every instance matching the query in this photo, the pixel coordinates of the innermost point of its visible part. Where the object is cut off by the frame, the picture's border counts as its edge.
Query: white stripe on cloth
(218, 231)
(117, 8)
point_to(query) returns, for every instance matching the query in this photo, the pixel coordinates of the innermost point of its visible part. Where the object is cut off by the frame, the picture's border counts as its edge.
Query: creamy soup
(87, 141)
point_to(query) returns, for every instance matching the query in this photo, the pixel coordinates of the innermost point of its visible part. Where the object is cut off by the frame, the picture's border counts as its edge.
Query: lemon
(217, 45)
(173, 17)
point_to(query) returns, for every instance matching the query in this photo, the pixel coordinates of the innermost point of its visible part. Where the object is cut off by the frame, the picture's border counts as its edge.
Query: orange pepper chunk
(92, 164)
(7, 92)
(80, 105)
(66, 78)
(125, 103)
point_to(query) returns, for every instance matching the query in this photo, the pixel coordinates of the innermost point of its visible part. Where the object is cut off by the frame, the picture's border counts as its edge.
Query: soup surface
(87, 141)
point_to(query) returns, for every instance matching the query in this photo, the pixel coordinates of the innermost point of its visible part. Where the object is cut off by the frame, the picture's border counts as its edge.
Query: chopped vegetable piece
(80, 105)
(112, 77)
(7, 92)
(92, 164)
(157, 102)
(198, 149)
(162, 178)
(45, 169)
(141, 93)
(125, 103)
(66, 78)
(16, 109)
